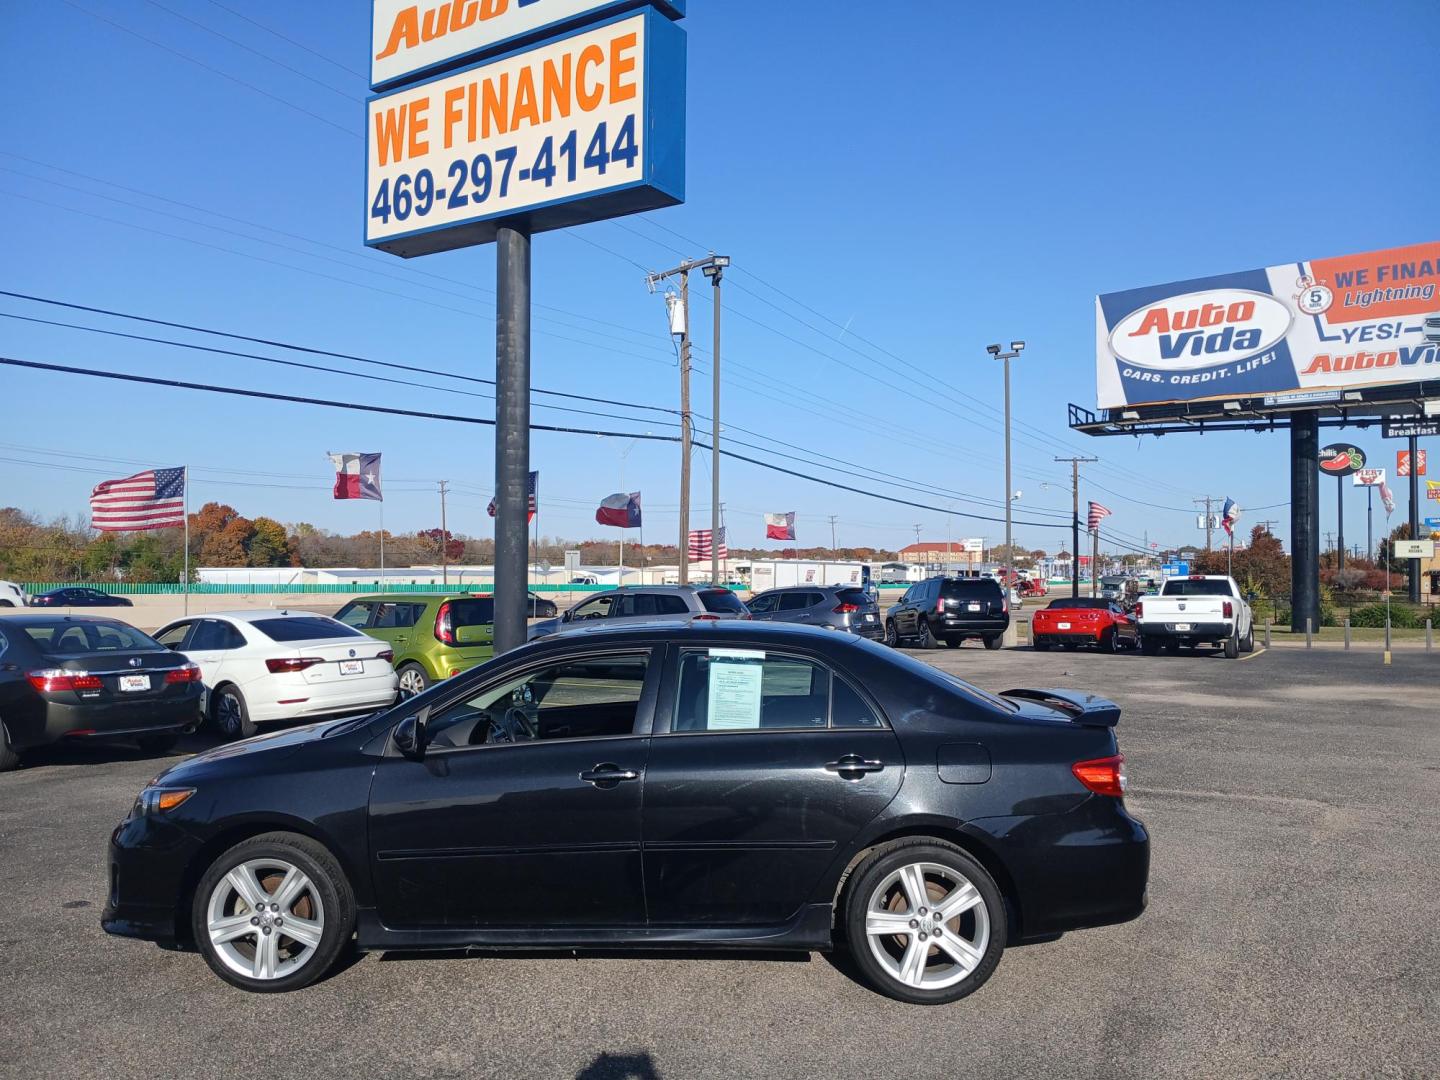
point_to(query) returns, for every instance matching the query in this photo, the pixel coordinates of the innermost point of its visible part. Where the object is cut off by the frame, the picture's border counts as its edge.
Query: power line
(289, 40)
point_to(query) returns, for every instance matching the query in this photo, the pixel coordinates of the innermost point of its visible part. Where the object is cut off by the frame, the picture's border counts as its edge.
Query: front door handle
(607, 775)
(853, 764)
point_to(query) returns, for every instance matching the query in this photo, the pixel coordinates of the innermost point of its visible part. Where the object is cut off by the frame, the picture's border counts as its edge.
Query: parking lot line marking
(1258, 652)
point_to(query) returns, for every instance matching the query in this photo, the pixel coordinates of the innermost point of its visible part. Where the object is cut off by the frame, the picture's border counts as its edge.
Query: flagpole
(185, 482)
(382, 543)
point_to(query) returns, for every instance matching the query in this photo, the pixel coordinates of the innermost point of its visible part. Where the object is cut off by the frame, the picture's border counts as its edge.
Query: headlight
(160, 800)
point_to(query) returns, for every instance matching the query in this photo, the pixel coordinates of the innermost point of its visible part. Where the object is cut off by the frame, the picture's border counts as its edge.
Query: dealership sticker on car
(134, 682)
(352, 667)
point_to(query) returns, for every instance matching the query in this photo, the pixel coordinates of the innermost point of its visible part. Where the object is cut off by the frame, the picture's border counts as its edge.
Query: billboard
(410, 38)
(1299, 328)
(580, 128)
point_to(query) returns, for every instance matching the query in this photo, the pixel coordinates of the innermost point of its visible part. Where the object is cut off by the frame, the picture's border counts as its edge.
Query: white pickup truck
(1201, 609)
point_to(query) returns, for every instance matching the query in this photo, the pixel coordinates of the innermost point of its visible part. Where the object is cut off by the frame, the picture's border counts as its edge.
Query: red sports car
(1084, 620)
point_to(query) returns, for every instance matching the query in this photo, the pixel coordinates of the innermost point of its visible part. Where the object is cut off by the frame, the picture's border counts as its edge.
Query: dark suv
(949, 610)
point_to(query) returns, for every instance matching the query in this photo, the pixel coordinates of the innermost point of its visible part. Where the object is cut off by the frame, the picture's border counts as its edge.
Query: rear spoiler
(1087, 710)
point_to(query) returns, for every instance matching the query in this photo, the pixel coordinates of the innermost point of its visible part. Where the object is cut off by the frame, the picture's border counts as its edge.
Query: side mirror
(410, 735)
(569, 614)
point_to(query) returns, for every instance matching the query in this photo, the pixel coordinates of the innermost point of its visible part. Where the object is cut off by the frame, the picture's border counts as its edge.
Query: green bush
(1402, 616)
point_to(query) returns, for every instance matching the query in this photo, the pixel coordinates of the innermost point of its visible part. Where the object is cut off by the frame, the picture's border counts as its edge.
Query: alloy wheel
(927, 926)
(412, 681)
(227, 714)
(265, 919)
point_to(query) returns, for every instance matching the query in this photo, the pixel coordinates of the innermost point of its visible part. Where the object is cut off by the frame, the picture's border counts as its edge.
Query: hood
(238, 756)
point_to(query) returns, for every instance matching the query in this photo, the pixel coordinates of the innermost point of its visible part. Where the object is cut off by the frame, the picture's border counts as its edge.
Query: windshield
(304, 628)
(1198, 587)
(858, 597)
(63, 637)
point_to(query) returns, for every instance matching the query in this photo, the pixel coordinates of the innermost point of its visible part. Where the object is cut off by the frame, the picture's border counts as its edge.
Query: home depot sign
(1402, 463)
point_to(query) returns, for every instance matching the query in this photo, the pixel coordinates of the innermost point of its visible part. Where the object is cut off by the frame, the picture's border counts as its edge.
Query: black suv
(950, 610)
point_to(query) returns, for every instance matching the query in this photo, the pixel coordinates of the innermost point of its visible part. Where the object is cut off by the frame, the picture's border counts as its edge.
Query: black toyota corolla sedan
(726, 784)
(78, 677)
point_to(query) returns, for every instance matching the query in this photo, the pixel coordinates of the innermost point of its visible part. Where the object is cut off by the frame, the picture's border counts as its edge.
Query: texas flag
(620, 510)
(357, 476)
(1229, 515)
(780, 526)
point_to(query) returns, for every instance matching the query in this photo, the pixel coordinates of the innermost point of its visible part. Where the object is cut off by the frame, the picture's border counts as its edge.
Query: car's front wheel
(891, 637)
(272, 913)
(925, 922)
(926, 639)
(9, 758)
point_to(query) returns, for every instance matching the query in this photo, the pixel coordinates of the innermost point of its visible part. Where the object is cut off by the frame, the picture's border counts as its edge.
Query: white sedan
(263, 666)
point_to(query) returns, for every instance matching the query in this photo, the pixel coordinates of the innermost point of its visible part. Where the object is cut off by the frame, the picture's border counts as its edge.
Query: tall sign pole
(1075, 463)
(715, 271)
(491, 129)
(1413, 570)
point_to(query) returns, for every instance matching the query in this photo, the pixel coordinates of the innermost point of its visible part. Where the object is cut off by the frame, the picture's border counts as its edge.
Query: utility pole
(1414, 568)
(680, 327)
(1209, 521)
(444, 537)
(512, 434)
(1075, 463)
(832, 534)
(1015, 350)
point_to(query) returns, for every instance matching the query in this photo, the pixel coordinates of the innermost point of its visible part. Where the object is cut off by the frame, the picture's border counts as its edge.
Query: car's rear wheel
(272, 913)
(1247, 643)
(158, 744)
(926, 639)
(412, 679)
(231, 714)
(993, 641)
(9, 756)
(1232, 647)
(891, 637)
(925, 922)
(1110, 642)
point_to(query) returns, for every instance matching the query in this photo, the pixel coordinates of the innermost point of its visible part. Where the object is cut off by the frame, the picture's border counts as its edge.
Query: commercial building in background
(969, 554)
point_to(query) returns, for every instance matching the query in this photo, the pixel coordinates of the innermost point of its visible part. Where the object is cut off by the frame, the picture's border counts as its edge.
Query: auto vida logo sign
(1301, 327)
(1341, 459)
(1200, 329)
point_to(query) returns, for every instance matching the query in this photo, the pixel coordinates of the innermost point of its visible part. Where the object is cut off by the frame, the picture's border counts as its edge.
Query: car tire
(926, 639)
(155, 745)
(954, 642)
(970, 944)
(993, 642)
(1232, 647)
(1110, 643)
(1247, 643)
(230, 902)
(9, 756)
(412, 680)
(6, 603)
(230, 714)
(891, 637)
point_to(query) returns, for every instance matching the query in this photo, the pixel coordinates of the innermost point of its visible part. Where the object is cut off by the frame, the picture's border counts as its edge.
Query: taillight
(55, 680)
(187, 674)
(1229, 610)
(704, 618)
(444, 627)
(847, 609)
(940, 606)
(1140, 610)
(385, 654)
(1104, 776)
(282, 664)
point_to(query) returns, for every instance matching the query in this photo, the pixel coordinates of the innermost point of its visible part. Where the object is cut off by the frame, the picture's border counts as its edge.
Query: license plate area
(1182, 626)
(352, 667)
(1063, 625)
(972, 607)
(131, 683)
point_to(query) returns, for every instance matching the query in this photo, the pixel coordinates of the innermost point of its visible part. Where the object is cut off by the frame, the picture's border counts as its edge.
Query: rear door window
(394, 616)
(212, 635)
(749, 689)
(795, 601)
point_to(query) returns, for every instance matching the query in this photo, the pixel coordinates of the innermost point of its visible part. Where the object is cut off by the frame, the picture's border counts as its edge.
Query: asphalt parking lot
(1294, 804)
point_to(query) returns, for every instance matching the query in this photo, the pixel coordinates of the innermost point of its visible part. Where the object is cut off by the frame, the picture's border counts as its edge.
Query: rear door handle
(608, 774)
(853, 763)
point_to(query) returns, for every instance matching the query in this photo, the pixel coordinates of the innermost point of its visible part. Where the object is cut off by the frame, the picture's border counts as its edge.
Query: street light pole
(1016, 347)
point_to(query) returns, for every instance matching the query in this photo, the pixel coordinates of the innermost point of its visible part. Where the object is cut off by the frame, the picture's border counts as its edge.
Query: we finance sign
(409, 39)
(1343, 323)
(578, 128)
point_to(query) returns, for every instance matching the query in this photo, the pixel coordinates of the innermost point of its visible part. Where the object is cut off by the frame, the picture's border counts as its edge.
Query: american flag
(534, 487)
(700, 544)
(153, 499)
(1097, 514)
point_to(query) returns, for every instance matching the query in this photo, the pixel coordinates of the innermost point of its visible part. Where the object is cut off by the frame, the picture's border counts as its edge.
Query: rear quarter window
(304, 628)
(478, 611)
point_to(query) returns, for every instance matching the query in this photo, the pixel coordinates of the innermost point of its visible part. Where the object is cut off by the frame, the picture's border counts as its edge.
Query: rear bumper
(61, 721)
(328, 699)
(1086, 867)
(1052, 636)
(953, 624)
(1200, 631)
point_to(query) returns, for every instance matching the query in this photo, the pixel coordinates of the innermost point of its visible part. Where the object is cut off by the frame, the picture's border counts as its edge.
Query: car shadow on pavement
(620, 1067)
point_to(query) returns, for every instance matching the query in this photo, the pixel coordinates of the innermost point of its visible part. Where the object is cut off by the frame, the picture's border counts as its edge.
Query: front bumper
(147, 861)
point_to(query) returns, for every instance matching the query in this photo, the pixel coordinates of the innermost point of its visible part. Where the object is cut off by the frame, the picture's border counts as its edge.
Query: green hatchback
(434, 636)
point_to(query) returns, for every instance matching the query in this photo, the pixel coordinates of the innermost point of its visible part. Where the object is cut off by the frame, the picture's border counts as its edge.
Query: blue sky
(898, 186)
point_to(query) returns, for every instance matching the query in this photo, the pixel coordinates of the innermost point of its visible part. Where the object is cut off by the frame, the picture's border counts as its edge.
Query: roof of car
(667, 629)
(422, 598)
(37, 618)
(253, 615)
